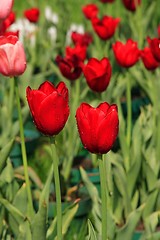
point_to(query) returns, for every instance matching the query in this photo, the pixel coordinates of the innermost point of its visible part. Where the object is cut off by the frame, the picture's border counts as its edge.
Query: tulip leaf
(38, 224)
(91, 234)
(45, 192)
(24, 231)
(128, 229)
(67, 217)
(150, 203)
(4, 153)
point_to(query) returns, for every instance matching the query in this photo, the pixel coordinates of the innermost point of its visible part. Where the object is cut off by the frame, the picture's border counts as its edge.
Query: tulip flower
(81, 39)
(155, 47)
(5, 8)
(131, 5)
(98, 74)
(98, 127)
(90, 10)
(32, 14)
(105, 27)
(49, 107)
(126, 54)
(70, 68)
(148, 59)
(77, 51)
(5, 24)
(12, 56)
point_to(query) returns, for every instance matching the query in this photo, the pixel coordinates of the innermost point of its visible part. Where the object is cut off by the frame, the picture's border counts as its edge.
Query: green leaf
(150, 203)
(128, 229)
(46, 190)
(24, 231)
(16, 214)
(67, 217)
(39, 223)
(91, 234)
(4, 153)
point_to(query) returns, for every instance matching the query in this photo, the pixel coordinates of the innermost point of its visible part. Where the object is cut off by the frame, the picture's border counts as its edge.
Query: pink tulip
(12, 56)
(5, 8)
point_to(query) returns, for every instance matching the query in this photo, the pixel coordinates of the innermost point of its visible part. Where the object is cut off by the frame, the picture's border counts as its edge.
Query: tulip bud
(5, 8)
(13, 59)
(49, 107)
(98, 127)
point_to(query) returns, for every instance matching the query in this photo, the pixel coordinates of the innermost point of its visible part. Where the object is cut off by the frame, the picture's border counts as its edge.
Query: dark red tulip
(98, 74)
(155, 47)
(90, 10)
(49, 107)
(82, 39)
(32, 14)
(131, 5)
(148, 59)
(69, 67)
(105, 27)
(98, 127)
(126, 54)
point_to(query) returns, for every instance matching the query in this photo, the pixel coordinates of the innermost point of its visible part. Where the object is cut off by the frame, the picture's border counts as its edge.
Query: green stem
(11, 96)
(57, 188)
(103, 181)
(23, 150)
(129, 113)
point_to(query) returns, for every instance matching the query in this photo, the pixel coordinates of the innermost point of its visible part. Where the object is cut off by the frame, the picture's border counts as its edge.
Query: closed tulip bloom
(90, 10)
(98, 127)
(155, 47)
(98, 74)
(12, 56)
(5, 24)
(5, 8)
(70, 68)
(131, 5)
(148, 59)
(126, 54)
(32, 14)
(105, 27)
(49, 107)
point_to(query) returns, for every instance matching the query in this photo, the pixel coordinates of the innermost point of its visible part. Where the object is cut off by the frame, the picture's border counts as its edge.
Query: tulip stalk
(103, 181)
(57, 188)
(129, 112)
(23, 149)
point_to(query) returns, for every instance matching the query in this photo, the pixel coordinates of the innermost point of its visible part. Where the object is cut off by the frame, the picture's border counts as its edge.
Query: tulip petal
(47, 88)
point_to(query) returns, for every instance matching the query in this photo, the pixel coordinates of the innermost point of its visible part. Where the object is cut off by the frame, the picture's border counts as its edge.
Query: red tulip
(90, 10)
(98, 74)
(107, 1)
(81, 39)
(32, 14)
(126, 54)
(5, 8)
(158, 31)
(77, 51)
(105, 27)
(12, 56)
(148, 59)
(70, 68)
(49, 107)
(5, 24)
(155, 47)
(98, 127)
(131, 5)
